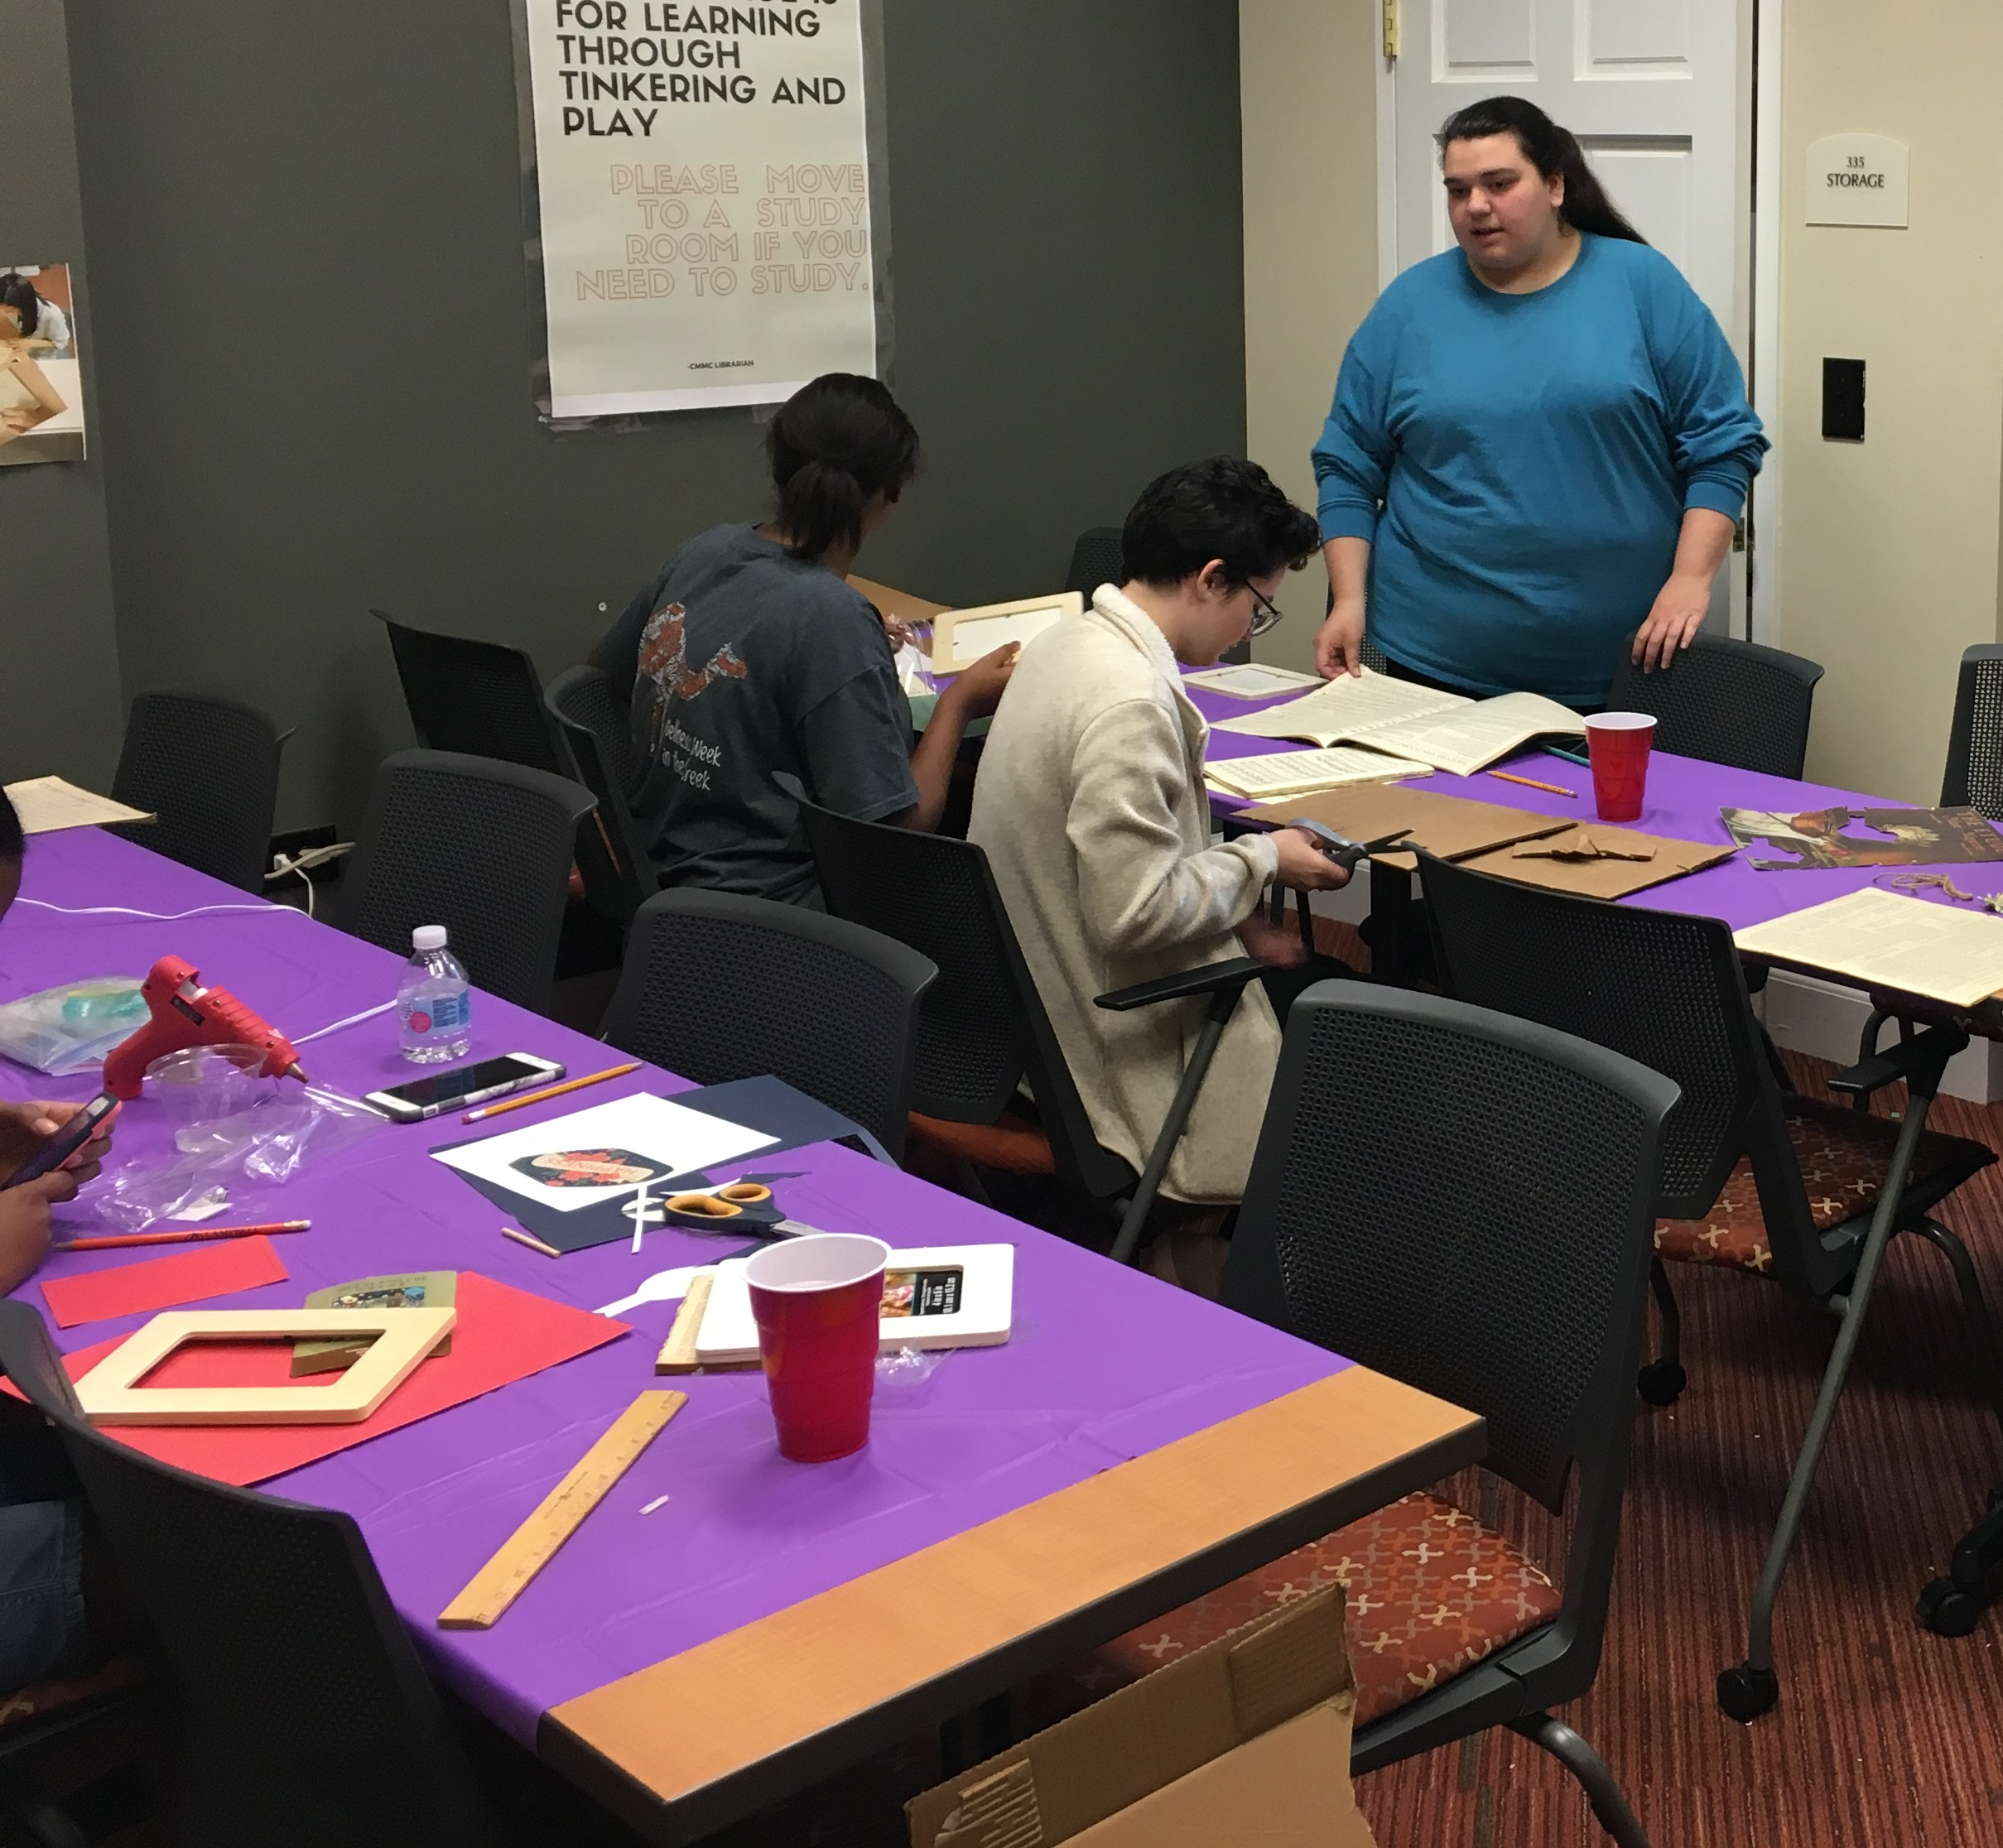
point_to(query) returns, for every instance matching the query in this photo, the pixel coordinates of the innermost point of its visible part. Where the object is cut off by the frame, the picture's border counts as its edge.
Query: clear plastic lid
(428, 937)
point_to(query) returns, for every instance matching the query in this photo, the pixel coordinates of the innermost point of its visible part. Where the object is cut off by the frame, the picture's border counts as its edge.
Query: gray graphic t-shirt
(740, 660)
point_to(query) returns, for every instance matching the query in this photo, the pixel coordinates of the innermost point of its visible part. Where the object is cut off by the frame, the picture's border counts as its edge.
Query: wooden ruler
(532, 1545)
(677, 1354)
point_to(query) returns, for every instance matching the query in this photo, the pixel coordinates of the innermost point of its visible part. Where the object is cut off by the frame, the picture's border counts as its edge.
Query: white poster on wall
(702, 180)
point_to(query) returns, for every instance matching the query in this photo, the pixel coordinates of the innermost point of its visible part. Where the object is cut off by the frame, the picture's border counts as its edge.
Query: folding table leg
(1753, 1688)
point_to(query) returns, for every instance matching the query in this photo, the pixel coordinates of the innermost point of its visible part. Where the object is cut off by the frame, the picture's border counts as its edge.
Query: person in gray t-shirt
(750, 654)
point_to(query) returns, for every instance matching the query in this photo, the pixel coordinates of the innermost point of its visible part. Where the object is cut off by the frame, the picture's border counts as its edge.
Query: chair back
(479, 846)
(304, 1716)
(1097, 559)
(483, 699)
(1974, 746)
(1664, 989)
(1462, 1200)
(209, 769)
(982, 1029)
(581, 701)
(1726, 701)
(717, 986)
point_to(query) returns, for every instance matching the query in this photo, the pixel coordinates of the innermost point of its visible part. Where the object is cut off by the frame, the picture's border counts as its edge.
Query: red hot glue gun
(184, 1013)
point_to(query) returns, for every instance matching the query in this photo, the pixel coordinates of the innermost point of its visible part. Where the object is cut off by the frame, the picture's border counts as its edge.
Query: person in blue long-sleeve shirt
(1540, 442)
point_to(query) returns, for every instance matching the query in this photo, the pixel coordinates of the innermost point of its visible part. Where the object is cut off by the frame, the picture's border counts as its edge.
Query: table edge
(1141, 1539)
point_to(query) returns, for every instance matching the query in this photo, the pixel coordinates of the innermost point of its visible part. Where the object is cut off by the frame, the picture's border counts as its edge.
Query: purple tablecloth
(1684, 797)
(1104, 1365)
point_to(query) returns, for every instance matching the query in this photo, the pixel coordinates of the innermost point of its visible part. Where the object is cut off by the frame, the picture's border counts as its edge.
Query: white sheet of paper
(1292, 772)
(46, 804)
(1884, 940)
(1466, 741)
(676, 1137)
(984, 634)
(1252, 681)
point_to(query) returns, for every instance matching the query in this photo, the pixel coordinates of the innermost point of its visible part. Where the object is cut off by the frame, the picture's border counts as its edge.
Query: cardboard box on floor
(1247, 1740)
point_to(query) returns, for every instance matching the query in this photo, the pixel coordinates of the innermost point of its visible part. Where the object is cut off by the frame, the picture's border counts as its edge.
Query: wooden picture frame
(961, 636)
(109, 1393)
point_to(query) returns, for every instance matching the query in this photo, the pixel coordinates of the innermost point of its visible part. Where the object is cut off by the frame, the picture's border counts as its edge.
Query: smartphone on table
(66, 1142)
(466, 1087)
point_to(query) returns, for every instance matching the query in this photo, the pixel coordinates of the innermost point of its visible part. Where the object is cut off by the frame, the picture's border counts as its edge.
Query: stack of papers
(48, 804)
(1303, 773)
(1884, 940)
(1444, 731)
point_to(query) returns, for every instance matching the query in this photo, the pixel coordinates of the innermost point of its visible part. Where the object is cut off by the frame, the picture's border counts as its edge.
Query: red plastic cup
(818, 1303)
(1618, 745)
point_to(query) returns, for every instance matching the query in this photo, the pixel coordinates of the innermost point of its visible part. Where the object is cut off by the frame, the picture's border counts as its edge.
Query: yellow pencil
(1501, 775)
(548, 1091)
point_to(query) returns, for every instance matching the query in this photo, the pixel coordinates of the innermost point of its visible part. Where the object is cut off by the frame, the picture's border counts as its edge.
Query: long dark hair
(19, 293)
(1554, 152)
(835, 445)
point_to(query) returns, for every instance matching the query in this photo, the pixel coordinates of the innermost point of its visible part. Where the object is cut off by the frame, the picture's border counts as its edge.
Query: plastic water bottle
(434, 1001)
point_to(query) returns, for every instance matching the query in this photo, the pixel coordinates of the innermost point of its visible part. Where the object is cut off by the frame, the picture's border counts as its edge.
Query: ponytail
(835, 445)
(1556, 154)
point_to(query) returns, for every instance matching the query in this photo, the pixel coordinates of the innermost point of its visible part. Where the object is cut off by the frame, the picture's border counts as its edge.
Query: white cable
(157, 918)
(353, 1020)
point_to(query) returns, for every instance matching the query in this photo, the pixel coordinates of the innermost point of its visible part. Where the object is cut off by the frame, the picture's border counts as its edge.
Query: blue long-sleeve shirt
(1522, 463)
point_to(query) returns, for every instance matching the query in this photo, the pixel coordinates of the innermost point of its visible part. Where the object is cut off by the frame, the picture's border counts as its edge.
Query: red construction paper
(219, 1269)
(502, 1335)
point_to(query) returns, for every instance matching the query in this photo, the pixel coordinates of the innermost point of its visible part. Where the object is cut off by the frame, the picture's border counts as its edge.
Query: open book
(1449, 731)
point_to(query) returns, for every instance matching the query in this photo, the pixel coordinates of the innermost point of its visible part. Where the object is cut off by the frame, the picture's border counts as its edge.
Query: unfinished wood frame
(109, 1393)
(961, 636)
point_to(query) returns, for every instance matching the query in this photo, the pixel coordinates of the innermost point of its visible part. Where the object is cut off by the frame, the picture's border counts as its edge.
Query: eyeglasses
(1265, 613)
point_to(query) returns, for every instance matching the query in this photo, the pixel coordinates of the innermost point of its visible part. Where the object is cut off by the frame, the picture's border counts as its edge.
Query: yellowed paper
(1469, 740)
(1297, 773)
(1345, 709)
(1880, 939)
(47, 804)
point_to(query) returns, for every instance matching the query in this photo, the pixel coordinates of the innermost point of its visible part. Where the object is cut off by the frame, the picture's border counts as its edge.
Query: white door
(1658, 92)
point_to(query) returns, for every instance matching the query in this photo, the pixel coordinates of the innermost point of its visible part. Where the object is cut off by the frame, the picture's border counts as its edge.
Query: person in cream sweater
(1091, 807)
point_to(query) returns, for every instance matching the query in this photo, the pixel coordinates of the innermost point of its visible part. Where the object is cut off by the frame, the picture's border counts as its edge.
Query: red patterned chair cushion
(1843, 1156)
(1431, 1591)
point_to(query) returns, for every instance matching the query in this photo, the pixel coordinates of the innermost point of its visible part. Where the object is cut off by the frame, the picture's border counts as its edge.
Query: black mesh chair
(983, 1029)
(209, 769)
(1461, 1201)
(717, 986)
(485, 698)
(1096, 560)
(594, 726)
(304, 1716)
(1726, 701)
(481, 847)
(1974, 777)
(1754, 1179)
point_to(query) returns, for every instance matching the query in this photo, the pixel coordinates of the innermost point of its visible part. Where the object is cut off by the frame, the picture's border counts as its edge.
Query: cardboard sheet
(502, 1335)
(219, 1269)
(1450, 826)
(1626, 862)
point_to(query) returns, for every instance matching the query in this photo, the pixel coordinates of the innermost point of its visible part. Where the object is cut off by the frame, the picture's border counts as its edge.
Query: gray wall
(59, 690)
(311, 312)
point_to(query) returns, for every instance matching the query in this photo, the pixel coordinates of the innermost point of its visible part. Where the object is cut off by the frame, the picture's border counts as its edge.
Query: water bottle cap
(428, 936)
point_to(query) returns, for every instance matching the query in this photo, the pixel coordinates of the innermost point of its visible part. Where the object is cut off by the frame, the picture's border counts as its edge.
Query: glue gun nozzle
(295, 1070)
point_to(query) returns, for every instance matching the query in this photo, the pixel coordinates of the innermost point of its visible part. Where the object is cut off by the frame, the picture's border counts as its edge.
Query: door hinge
(1390, 28)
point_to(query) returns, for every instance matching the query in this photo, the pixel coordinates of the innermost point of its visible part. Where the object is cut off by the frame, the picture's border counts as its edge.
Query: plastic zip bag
(72, 1028)
(264, 1146)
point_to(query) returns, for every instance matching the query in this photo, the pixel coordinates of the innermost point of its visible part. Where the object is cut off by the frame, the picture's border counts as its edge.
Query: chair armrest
(1209, 978)
(1928, 1052)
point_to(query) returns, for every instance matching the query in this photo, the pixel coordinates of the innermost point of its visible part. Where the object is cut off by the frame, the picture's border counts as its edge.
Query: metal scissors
(1345, 852)
(743, 1205)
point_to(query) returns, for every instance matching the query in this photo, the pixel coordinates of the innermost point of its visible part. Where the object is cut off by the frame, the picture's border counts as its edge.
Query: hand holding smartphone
(60, 1148)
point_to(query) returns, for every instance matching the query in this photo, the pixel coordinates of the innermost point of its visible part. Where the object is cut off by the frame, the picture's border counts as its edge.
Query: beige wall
(1307, 80)
(1888, 550)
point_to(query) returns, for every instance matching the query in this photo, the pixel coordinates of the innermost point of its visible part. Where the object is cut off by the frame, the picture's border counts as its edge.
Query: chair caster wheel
(1661, 1382)
(1745, 1693)
(1947, 1610)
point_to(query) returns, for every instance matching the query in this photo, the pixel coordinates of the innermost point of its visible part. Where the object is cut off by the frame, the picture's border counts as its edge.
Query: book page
(1294, 773)
(45, 804)
(1884, 939)
(1468, 740)
(1345, 709)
